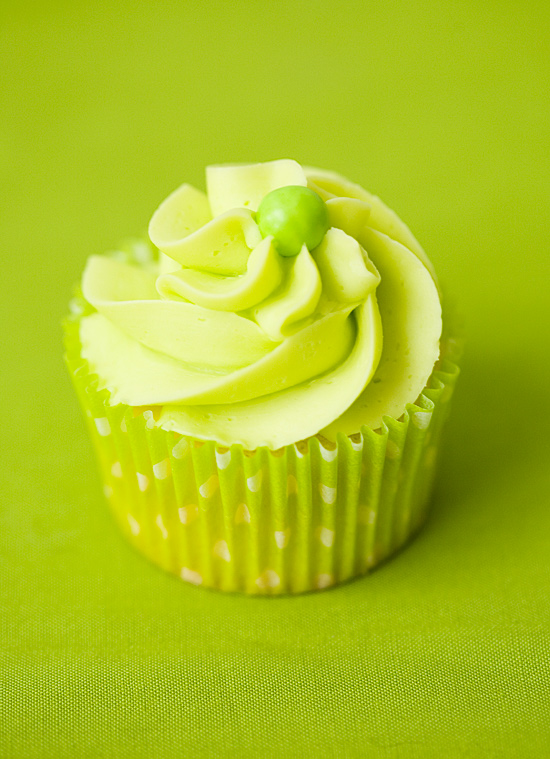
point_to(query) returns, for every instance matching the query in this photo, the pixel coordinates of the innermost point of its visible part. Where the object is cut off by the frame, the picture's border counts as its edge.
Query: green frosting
(236, 343)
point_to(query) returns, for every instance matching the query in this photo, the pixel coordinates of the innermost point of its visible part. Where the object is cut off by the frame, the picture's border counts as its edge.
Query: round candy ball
(295, 216)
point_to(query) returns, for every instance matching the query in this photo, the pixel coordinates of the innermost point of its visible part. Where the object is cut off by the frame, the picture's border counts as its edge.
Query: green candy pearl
(294, 216)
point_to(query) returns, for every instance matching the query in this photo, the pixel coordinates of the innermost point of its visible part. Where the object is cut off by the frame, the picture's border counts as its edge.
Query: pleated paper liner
(297, 519)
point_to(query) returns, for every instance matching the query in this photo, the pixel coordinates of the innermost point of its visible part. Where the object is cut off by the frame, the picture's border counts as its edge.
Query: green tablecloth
(441, 108)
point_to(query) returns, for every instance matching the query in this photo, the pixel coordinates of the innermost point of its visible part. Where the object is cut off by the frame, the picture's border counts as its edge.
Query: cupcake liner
(304, 517)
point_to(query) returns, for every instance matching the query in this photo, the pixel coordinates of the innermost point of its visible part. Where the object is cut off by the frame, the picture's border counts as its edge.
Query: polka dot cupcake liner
(302, 518)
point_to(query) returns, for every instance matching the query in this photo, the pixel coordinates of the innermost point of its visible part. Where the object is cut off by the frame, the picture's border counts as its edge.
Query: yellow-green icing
(307, 407)
(236, 343)
(347, 274)
(245, 186)
(183, 212)
(334, 188)
(222, 246)
(157, 379)
(411, 318)
(264, 273)
(285, 311)
(172, 327)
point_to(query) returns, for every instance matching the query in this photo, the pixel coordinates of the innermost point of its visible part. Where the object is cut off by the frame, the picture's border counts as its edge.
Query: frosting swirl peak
(238, 343)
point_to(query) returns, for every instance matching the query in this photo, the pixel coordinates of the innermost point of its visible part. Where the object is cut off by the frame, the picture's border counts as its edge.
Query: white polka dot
(242, 514)
(223, 459)
(422, 419)
(149, 419)
(188, 514)
(107, 491)
(162, 469)
(143, 481)
(392, 450)
(180, 449)
(326, 536)
(327, 453)
(268, 579)
(190, 576)
(134, 524)
(291, 484)
(254, 483)
(75, 307)
(208, 488)
(103, 426)
(116, 469)
(221, 549)
(281, 538)
(324, 581)
(366, 515)
(160, 525)
(328, 494)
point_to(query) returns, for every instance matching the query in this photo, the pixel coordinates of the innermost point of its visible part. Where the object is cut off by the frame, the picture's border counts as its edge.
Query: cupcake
(265, 383)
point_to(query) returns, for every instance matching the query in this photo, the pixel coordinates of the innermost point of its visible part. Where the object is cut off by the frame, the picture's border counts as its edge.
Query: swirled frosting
(233, 342)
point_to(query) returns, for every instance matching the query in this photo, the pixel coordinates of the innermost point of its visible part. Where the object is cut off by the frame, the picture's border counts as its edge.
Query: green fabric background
(442, 109)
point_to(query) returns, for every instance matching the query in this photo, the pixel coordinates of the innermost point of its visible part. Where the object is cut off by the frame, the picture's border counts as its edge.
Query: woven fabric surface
(442, 110)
